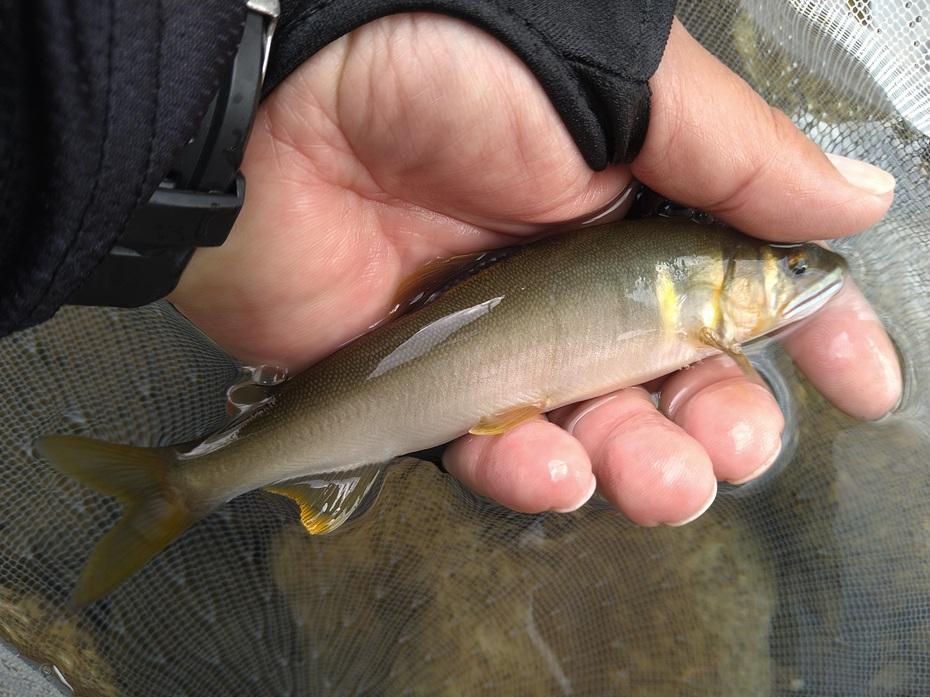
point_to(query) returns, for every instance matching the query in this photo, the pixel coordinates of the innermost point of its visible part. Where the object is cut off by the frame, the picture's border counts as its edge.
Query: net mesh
(813, 581)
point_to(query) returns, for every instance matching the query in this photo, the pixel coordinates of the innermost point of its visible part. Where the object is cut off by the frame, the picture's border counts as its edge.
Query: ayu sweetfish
(561, 320)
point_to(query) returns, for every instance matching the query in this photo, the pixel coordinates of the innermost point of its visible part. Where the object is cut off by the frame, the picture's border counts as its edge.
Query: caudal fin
(152, 517)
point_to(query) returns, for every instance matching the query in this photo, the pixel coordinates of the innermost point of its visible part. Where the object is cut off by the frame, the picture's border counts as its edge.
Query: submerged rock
(51, 635)
(439, 593)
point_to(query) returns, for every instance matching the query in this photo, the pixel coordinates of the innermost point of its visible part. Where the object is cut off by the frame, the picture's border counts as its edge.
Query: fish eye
(797, 263)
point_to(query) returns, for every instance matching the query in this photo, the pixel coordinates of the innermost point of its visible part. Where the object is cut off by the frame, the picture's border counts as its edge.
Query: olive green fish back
(814, 581)
(582, 270)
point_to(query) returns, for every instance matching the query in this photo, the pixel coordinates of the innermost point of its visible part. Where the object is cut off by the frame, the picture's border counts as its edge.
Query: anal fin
(501, 422)
(326, 503)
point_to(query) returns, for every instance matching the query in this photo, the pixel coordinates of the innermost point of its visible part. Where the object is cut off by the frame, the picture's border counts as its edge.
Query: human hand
(419, 136)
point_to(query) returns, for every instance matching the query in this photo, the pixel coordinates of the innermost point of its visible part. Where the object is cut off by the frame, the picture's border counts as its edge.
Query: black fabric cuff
(96, 100)
(593, 57)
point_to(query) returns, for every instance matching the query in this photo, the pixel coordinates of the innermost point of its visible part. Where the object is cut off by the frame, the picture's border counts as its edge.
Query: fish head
(781, 285)
(809, 275)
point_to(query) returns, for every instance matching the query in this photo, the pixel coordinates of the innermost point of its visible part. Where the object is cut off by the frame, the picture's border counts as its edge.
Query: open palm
(417, 137)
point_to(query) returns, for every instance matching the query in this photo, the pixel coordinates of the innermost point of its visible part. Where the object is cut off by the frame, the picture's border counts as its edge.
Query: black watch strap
(198, 201)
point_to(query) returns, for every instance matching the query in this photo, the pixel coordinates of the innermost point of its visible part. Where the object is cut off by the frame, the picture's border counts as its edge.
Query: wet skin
(418, 136)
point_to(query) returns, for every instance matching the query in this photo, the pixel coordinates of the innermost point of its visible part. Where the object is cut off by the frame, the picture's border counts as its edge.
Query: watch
(198, 201)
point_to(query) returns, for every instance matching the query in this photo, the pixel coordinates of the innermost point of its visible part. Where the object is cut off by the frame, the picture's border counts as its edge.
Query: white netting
(814, 581)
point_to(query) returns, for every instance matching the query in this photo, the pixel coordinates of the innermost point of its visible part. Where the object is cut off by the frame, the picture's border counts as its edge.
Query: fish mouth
(808, 303)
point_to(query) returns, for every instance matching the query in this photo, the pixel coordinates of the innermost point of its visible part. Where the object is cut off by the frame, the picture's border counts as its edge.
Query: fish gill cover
(812, 581)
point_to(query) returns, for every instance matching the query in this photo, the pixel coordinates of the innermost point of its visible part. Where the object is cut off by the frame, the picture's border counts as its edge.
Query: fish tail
(153, 515)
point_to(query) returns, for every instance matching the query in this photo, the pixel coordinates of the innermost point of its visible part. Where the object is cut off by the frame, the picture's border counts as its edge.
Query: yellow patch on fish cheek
(668, 301)
(742, 310)
(771, 282)
(709, 315)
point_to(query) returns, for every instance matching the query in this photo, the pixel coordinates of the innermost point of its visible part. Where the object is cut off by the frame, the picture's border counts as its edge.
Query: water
(812, 581)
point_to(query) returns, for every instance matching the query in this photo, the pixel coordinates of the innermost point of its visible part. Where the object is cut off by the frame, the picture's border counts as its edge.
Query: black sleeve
(97, 99)
(593, 57)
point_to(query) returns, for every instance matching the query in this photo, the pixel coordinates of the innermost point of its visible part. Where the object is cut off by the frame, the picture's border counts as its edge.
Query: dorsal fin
(439, 275)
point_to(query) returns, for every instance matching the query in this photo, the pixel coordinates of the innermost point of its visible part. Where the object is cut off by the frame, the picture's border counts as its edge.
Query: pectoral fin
(711, 338)
(326, 503)
(496, 424)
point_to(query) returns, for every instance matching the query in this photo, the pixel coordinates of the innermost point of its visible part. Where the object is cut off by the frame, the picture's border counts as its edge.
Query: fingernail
(770, 460)
(573, 424)
(701, 511)
(582, 501)
(616, 209)
(862, 175)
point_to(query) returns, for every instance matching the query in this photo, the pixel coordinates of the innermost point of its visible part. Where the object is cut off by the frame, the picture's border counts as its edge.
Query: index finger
(847, 355)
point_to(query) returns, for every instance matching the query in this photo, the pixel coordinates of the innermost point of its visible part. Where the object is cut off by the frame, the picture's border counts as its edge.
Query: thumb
(714, 144)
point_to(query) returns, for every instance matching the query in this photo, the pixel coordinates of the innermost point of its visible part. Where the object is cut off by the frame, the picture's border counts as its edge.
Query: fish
(567, 318)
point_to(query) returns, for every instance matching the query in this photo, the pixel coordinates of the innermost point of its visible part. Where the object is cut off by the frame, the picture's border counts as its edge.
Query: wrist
(198, 201)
